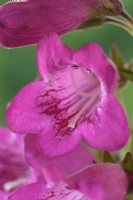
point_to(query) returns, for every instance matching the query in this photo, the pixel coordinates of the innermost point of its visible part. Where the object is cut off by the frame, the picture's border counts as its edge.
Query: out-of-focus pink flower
(14, 170)
(59, 167)
(96, 182)
(72, 102)
(24, 23)
(41, 191)
(100, 182)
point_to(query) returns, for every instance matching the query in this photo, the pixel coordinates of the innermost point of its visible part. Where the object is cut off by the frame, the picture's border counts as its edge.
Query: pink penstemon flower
(24, 23)
(55, 168)
(71, 176)
(52, 172)
(72, 101)
(95, 182)
(76, 176)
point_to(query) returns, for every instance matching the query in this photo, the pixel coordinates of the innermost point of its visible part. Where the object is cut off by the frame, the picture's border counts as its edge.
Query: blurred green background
(18, 66)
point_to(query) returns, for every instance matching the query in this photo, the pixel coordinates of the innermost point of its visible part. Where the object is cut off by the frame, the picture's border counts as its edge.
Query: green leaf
(129, 197)
(126, 73)
(116, 56)
(125, 70)
(127, 163)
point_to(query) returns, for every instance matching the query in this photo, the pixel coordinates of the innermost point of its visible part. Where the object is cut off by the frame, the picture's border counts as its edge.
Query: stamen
(14, 184)
(86, 73)
(74, 120)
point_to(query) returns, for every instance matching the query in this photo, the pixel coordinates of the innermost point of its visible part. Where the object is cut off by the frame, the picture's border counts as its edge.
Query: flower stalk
(127, 17)
(98, 21)
(120, 23)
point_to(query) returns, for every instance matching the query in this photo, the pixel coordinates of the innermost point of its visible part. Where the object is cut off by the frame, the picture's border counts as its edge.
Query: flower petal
(108, 129)
(24, 23)
(52, 145)
(39, 191)
(93, 190)
(92, 57)
(7, 137)
(3, 195)
(22, 115)
(29, 192)
(53, 56)
(79, 157)
(108, 180)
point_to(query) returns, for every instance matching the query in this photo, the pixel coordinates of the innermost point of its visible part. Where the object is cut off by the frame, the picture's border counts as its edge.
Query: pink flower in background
(96, 182)
(24, 23)
(14, 170)
(41, 191)
(59, 167)
(52, 172)
(72, 176)
(100, 182)
(73, 101)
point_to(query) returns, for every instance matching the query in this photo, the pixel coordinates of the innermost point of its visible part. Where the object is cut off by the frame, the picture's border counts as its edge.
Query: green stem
(120, 23)
(127, 17)
(98, 21)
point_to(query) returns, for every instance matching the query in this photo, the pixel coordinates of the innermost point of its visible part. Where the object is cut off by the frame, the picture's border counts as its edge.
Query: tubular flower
(96, 182)
(59, 167)
(73, 101)
(14, 171)
(24, 23)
